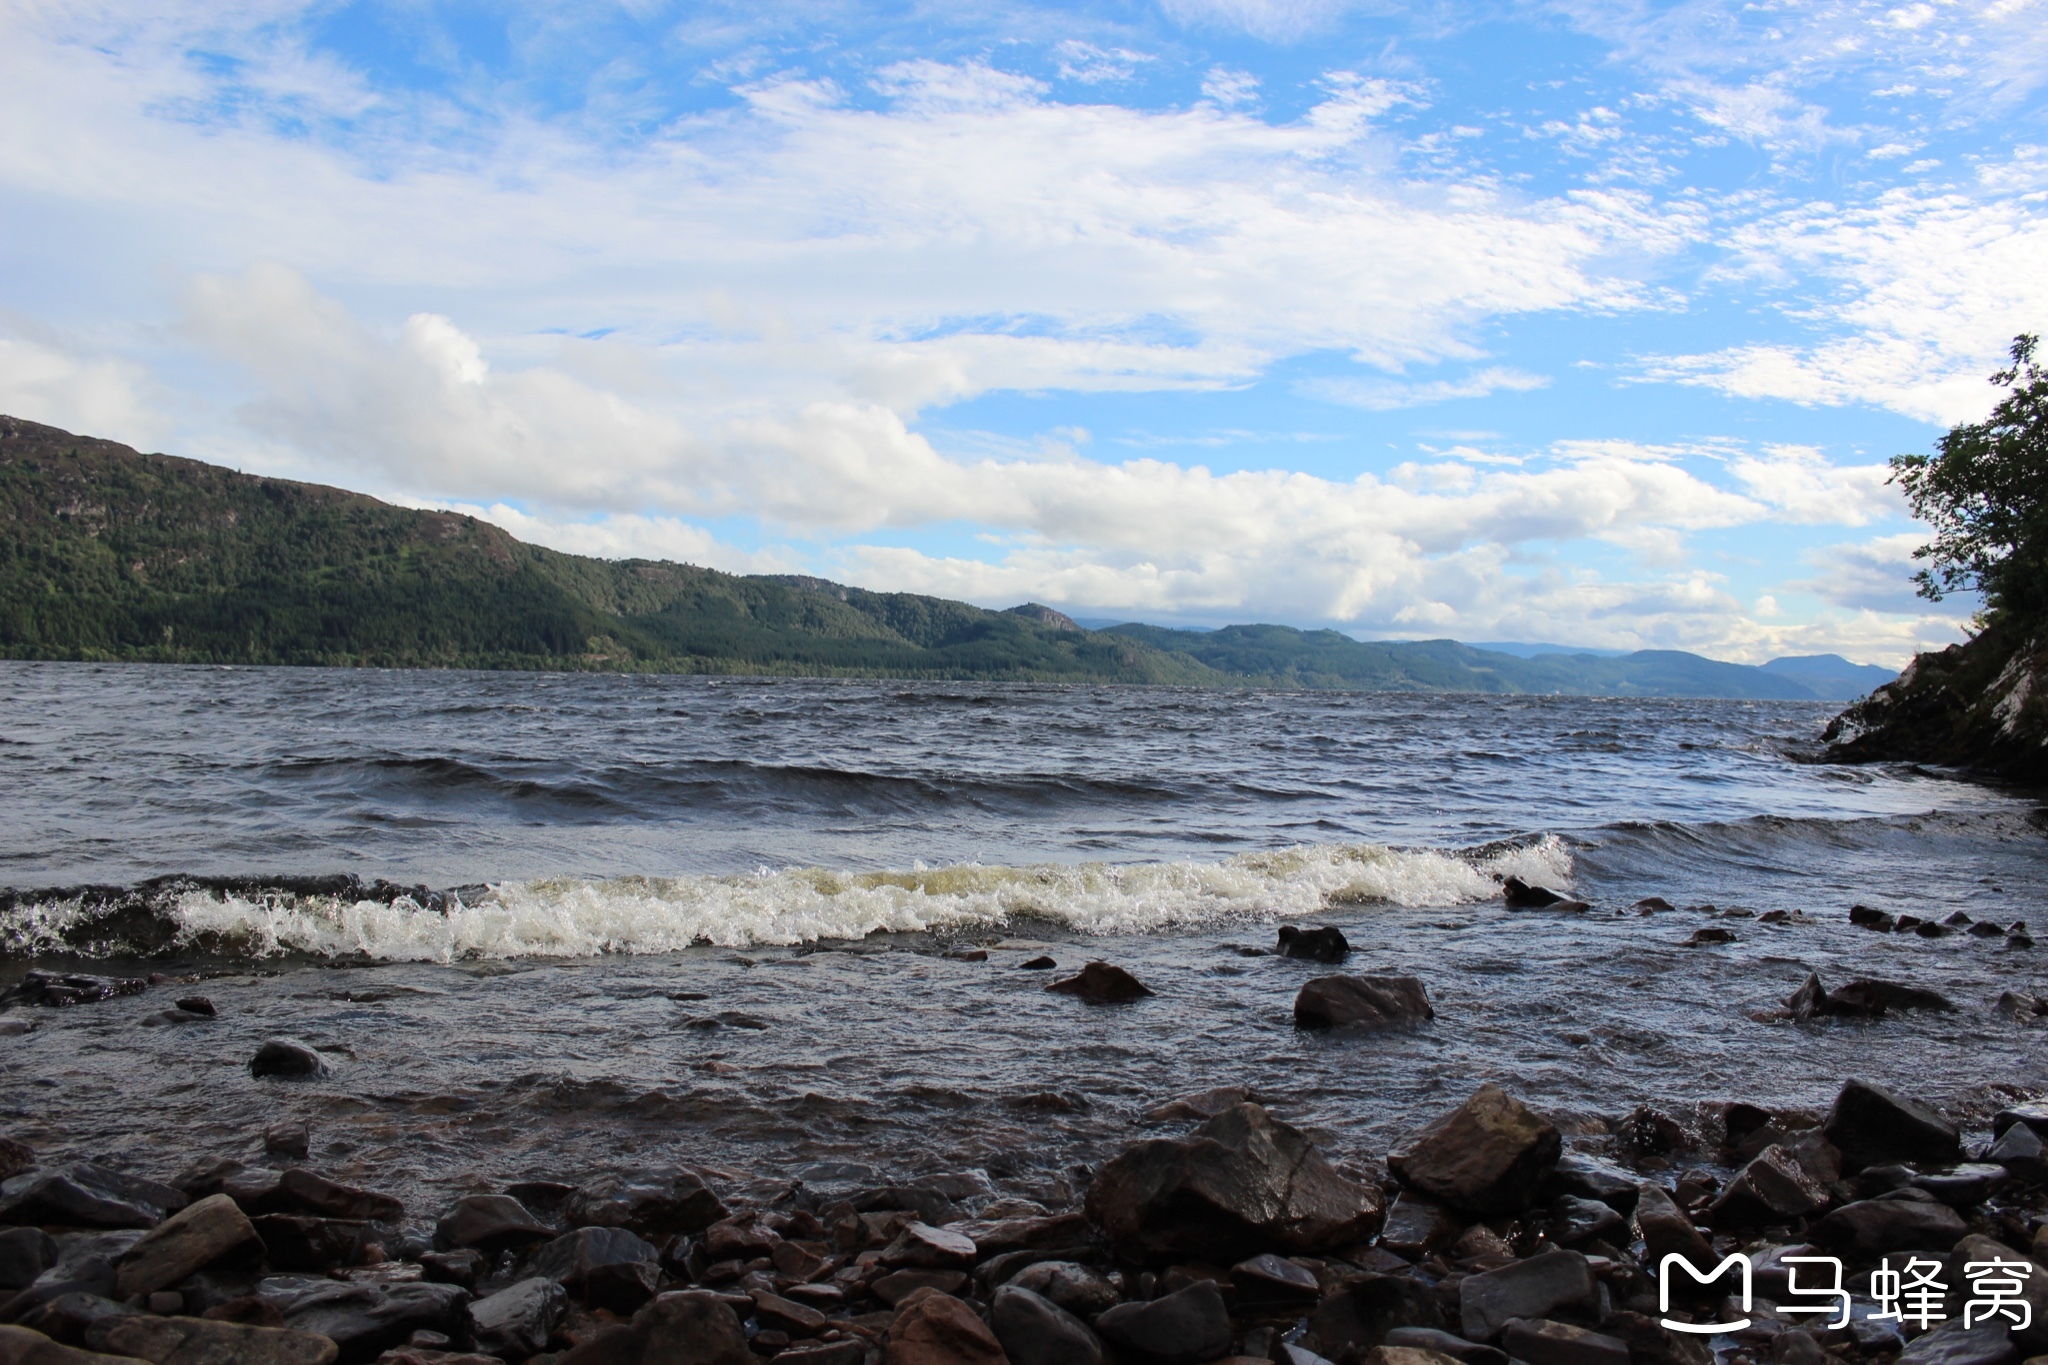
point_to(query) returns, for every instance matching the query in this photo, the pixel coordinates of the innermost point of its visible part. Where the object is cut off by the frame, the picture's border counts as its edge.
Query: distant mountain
(110, 554)
(1529, 651)
(1831, 675)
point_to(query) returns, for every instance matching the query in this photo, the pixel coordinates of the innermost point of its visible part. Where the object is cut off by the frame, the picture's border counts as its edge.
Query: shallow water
(807, 854)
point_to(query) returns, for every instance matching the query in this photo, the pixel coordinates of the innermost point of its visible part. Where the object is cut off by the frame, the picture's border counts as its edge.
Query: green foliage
(1985, 492)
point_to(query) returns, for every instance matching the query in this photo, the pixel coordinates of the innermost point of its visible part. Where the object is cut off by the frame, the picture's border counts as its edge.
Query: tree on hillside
(1985, 492)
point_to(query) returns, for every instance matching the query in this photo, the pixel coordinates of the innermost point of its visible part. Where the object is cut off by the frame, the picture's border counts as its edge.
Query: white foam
(578, 917)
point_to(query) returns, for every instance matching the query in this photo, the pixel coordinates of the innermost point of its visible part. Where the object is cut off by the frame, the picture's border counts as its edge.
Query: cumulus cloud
(50, 378)
(1877, 575)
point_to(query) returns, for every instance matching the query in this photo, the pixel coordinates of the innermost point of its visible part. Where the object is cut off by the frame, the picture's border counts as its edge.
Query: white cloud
(1275, 21)
(1385, 395)
(1092, 65)
(49, 378)
(1877, 575)
(1804, 487)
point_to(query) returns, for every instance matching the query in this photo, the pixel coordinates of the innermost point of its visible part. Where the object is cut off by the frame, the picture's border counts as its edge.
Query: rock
(1667, 1229)
(287, 1057)
(825, 1353)
(364, 1319)
(1035, 1331)
(1324, 944)
(517, 1321)
(491, 1222)
(20, 1346)
(461, 1267)
(1535, 1288)
(1098, 983)
(2033, 1113)
(1185, 1327)
(288, 1138)
(188, 1241)
(201, 1341)
(1079, 1289)
(1240, 1184)
(1650, 1343)
(1772, 1188)
(1490, 1155)
(1873, 1125)
(1360, 1312)
(297, 1241)
(15, 1157)
(683, 1327)
(1707, 934)
(652, 1205)
(25, 1253)
(1517, 894)
(1653, 905)
(785, 1315)
(63, 1316)
(1929, 929)
(1408, 1355)
(60, 990)
(86, 1196)
(1370, 1001)
(1865, 917)
(1444, 1344)
(924, 1247)
(571, 1259)
(1542, 1342)
(1591, 1178)
(1043, 1232)
(1965, 1186)
(931, 1328)
(1870, 999)
(1953, 1344)
(1574, 1220)
(1416, 1227)
(899, 1285)
(1041, 963)
(1267, 1279)
(1871, 1227)
(2020, 1150)
(317, 1194)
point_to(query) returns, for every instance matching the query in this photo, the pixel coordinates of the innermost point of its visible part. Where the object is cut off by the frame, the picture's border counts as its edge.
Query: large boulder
(1186, 1327)
(490, 1222)
(1873, 1126)
(931, 1328)
(517, 1321)
(1368, 1001)
(1489, 1155)
(683, 1327)
(1035, 1331)
(1240, 1184)
(571, 1259)
(316, 1194)
(213, 1229)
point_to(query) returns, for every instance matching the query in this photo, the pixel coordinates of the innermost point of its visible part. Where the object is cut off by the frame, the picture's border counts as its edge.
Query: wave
(576, 917)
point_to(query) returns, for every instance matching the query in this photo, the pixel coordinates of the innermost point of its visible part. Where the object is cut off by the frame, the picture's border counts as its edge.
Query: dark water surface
(640, 856)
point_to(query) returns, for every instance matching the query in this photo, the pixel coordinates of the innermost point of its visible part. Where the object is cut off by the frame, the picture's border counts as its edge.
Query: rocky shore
(1484, 1239)
(1981, 705)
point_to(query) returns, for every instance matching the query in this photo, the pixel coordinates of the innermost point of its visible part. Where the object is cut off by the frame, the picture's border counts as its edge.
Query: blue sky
(1590, 322)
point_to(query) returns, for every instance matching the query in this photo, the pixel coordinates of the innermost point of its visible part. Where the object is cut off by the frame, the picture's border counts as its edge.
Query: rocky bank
(1981, 705)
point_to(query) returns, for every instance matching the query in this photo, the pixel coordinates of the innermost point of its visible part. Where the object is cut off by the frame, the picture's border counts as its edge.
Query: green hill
(110, 554)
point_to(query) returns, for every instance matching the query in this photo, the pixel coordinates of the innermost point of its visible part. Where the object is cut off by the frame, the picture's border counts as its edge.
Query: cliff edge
(1981, 706)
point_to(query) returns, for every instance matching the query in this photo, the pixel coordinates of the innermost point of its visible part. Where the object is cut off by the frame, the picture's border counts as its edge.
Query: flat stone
(363, 1319)
(83, 1195)
(287, 1057)
(1186, 1327)
(1534, 1288)
(490, 1221)
(1267, 1278)
(1871, 1227)
(203, 1341)
(1099, 983)
(1489, 1155)
(517, 1321)
(1873, 1125)
(1035, 1233)
(1359, 1313)
(799, 1320)
(654, 1206)
(925, 1247)
(931, 1328)
(188, 1241)
(1035, 1331)
(21, 1346)
(1361, 1001)
(315, 1193)
(1541, 1342)
(1240, 1184)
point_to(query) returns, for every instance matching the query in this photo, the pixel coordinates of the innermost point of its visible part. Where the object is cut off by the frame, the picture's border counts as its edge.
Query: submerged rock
(1324, 944)
(1865, 917)
(1489, 1155)
(1099, 983)
(60, 990)
(287, 1057)
(1860, 999)
(1709, 934)
(1240, 1184)
(1367, 1001)
(1517, 894)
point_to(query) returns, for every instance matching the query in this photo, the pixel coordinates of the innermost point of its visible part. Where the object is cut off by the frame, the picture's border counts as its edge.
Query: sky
(1587, 321)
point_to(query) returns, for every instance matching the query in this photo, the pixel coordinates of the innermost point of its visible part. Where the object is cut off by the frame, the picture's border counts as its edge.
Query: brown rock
(200, 1341)
(925, 1247)
(1101, 984)
(1417, 1227)
(931, 1328)
(1240, 1184)
(1772, 1188)
(684, 1327)
(317, 1194)
(21, 1346)
(1364, 1001)
(188, 1241)
(1406, 1355)
(1667, 1229)
(899, 1285)
(1358, 1314)
(1489, 1155)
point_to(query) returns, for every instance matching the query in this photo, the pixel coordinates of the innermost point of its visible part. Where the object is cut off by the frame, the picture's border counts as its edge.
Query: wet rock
(1986, 929)
(571, 1259)
(1099, 983)
(1490, 1155)
(1445, 1344)
(1552, 1282)
(1652, 905)
(1709, 934)
(1965, 1186)
(303, 1189)
(22, 1346)
(1364, 1001)
(60, 990)
(1871, 1227)
(86, 1196)
(1359, 1313)
(15, 1157)
(1929, 929)
(1416, 1227)
(1267, 1279)
(1323, 944)
(298, 1241)
(1186, 1327)
(517, 1321)
(1865, 917)
(2020, 1150)
(1081, 1290)
(1517, 894)
(923, 1247)
(2033, 1113)
(652, 1205)
(167, 1018)
(1574, 1220)
(1667, 1229)
(212, 1230)
(364, 1319)
(287, 1057)
(462, 1267)
(899, 1285)
(199, 1005)
(1871, 999)
(1542, 1342)
(65, 1317)
(930, 1206)
(931, 1328)
(1035, 1331)
(1872, 1125)
(1953, 1344)
(1407, 1355)
(1240, 1184)
(1588, 1177)
(1772, 1188)
(490, 1222)
(200, 1341)
(1044, 1232)
(726, 1019)
(1207, 1105)
(684, 1327)
(825, 1353)
(288, 1138)
(25, 1253)
(1041, 963)
(1649, 1343)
